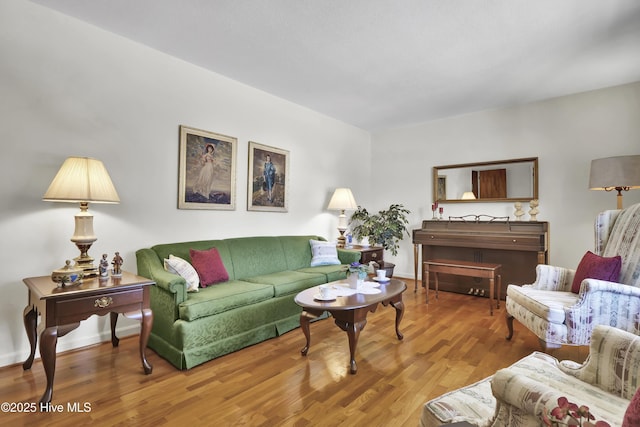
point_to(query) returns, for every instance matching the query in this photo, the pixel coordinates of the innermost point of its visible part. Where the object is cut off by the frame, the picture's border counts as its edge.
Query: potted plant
(386, 228)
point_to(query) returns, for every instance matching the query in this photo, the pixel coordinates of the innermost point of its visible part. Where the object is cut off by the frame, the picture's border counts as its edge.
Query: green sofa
(257, 303)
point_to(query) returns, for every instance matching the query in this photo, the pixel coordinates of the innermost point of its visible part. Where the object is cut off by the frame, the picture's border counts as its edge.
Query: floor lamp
(82, 180)
(342, 200)
(621, 173)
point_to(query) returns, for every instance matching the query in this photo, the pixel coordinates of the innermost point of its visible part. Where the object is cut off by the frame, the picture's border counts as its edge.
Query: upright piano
(518, 245)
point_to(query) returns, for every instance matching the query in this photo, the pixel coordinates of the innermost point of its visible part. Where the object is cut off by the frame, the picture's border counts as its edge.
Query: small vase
(361, 277)
(353, 279)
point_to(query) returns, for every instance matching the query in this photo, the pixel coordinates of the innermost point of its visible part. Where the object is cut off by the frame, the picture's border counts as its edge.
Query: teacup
(381, 274)
(324, 291)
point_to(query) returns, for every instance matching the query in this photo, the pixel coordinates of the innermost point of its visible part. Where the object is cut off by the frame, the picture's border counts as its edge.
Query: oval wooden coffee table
(350, 312)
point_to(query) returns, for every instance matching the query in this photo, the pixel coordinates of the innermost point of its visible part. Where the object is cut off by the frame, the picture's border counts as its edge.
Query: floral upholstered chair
(563, 305)
(607, 383)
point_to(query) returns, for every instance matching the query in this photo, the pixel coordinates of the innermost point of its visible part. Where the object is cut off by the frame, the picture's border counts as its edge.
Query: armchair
(606, 382)
(558, 316)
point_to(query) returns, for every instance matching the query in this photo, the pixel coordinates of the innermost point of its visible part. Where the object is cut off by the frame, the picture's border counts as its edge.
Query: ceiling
(380, 64)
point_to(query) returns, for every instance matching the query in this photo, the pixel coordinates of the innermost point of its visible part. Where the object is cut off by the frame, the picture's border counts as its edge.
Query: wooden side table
(62, 309)
(369, 253)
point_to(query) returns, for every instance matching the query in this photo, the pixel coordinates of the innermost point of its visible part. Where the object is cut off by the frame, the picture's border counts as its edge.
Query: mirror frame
(438, 169)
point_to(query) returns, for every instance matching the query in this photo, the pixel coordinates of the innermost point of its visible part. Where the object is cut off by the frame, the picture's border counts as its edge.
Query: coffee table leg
(399, 306)
(353, 332)
(304, 325)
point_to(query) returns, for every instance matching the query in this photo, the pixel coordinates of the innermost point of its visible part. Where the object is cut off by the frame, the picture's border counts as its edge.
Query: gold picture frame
(268, 178)
(207, 170)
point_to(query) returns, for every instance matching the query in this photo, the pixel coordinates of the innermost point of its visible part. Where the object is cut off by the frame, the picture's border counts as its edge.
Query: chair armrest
(603, 303)
(527, 396)
(551, 278)
(612, 364)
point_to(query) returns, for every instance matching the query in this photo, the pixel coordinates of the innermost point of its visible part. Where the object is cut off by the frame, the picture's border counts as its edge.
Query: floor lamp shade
(82, 180)
(621, 173)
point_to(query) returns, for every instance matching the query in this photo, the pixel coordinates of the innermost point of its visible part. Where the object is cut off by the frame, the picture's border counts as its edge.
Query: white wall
(565, 133)
(68, 88)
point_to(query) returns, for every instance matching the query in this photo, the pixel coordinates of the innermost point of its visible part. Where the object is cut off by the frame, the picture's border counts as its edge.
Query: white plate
(386, 279)
(319, 297)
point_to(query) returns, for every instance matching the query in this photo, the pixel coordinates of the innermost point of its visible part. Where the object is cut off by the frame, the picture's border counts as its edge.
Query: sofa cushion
(593, 266)
(179, 266)
(323, 253)
(223, 297)
(209, 266)
(255, 256)
(297, 250)
(289, 282)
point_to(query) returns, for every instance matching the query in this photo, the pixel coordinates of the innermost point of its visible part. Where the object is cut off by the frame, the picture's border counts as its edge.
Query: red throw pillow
(209, 266)
(593, 266)
(632, 414)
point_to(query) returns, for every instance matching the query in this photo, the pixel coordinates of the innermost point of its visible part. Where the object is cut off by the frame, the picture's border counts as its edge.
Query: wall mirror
(497, 181)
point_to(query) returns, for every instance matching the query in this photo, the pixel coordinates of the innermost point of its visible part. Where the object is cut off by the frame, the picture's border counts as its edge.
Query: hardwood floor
(447, 344)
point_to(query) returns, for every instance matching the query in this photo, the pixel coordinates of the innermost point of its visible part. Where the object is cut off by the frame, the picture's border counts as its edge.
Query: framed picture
(268, 173)
(207, 170)
(442, 187)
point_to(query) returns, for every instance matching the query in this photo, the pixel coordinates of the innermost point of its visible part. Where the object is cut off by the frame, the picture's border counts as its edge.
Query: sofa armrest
(612, 364)
(150, 266)
(347, 256)
(551, 278)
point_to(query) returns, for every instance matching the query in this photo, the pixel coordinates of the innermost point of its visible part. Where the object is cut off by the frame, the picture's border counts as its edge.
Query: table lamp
(342, 200)
(621, 173)
(468, 195)
(82, 180)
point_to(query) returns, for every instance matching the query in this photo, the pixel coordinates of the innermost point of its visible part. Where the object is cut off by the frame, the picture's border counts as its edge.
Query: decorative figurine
(533, 212)
(104, 267)
(117, 265)
(519, 213)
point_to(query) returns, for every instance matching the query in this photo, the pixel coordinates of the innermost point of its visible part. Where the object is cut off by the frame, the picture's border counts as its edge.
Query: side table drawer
(371, 255)
(98, 304)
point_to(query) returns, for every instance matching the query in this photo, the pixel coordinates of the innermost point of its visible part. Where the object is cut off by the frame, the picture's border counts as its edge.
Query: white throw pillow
(323, 253)
(177, 265)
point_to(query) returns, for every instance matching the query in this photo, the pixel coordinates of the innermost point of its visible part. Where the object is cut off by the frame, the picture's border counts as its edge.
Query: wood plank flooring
(447, 344)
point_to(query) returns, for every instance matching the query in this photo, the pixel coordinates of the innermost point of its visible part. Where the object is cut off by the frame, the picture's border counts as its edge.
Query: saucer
(319, 297)
(386, 279)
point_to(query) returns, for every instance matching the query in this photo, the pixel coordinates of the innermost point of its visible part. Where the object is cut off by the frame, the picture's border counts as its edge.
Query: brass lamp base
(342, 241)
(85, 261)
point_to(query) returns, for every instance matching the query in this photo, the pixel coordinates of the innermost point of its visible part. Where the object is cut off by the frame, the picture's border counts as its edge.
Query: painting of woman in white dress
(204, 184)
(207, 170)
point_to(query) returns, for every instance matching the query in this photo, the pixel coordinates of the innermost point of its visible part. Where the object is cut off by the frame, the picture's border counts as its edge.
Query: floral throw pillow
(177, 265)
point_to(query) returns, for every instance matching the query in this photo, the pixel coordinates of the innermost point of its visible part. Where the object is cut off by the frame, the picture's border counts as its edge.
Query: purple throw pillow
(209, 266)
(593, 266)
